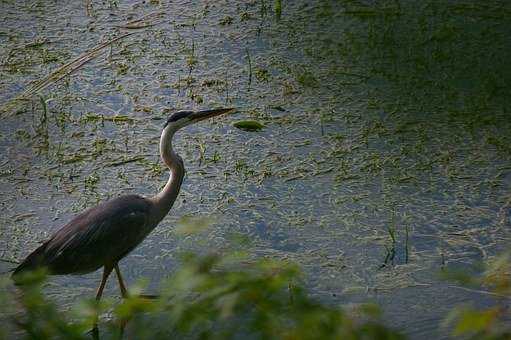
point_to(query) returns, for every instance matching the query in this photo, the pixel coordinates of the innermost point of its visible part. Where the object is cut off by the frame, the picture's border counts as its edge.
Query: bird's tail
(33, 261)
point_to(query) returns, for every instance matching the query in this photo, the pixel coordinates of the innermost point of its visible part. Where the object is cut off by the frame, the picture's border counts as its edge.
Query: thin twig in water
(88, 7)
(480, 291)
(407, 249)
(143, 22)
(249, 68)
(124, 161)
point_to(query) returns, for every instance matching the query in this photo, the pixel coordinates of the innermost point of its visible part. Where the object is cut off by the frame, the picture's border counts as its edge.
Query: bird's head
(177, 121)
(181, 119)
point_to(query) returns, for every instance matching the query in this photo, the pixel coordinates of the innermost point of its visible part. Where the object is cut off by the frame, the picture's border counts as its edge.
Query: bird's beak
(201, 115)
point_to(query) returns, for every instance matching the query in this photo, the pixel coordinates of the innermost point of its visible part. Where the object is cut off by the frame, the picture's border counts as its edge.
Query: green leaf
(248, 125)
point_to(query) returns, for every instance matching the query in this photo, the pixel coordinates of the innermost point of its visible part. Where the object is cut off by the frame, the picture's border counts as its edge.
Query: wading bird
(101, 236)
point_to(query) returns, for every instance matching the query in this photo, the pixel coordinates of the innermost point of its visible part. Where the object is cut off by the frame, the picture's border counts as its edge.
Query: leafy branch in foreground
(488, 323)
(209, 297)
(213, 297)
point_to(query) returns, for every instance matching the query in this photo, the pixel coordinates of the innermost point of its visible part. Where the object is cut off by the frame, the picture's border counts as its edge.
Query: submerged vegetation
(379, 155)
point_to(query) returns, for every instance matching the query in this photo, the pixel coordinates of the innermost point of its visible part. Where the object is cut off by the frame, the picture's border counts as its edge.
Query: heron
(102, 235)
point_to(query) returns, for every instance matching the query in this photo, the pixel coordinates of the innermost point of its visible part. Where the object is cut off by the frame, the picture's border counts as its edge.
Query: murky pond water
(385, 157)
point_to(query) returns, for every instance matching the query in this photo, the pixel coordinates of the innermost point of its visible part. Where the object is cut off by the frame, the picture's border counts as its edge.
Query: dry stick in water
(249, 67)
(143, 22)
(70, 67)
(62, 72)
(75, 64)
(88, 7)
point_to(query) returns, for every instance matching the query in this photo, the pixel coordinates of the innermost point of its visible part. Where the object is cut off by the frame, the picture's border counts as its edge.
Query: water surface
(380, 119)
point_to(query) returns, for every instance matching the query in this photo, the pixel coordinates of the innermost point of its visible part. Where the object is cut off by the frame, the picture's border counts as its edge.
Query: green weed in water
(248, 125)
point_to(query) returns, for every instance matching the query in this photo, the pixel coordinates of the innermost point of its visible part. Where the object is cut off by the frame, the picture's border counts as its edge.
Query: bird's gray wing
(96, 239)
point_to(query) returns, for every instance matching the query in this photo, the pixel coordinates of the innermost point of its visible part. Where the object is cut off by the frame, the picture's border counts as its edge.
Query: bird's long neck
(164, 200)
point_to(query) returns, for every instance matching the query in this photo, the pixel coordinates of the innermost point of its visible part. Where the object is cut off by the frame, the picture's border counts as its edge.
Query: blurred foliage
(492, 322)
(226, 297)
(231, 296)
(209, 297)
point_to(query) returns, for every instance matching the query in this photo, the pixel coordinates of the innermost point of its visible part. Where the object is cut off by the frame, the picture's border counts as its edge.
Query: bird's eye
(178, 116)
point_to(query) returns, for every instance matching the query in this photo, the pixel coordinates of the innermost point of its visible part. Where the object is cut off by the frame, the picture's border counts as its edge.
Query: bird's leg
(124, 291)
(106, 273)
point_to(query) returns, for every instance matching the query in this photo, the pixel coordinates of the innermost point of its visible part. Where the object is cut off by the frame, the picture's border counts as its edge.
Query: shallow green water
(379, 120)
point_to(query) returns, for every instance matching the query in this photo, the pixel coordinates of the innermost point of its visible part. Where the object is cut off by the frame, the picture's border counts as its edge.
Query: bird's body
(102, 235)
(97, 237)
